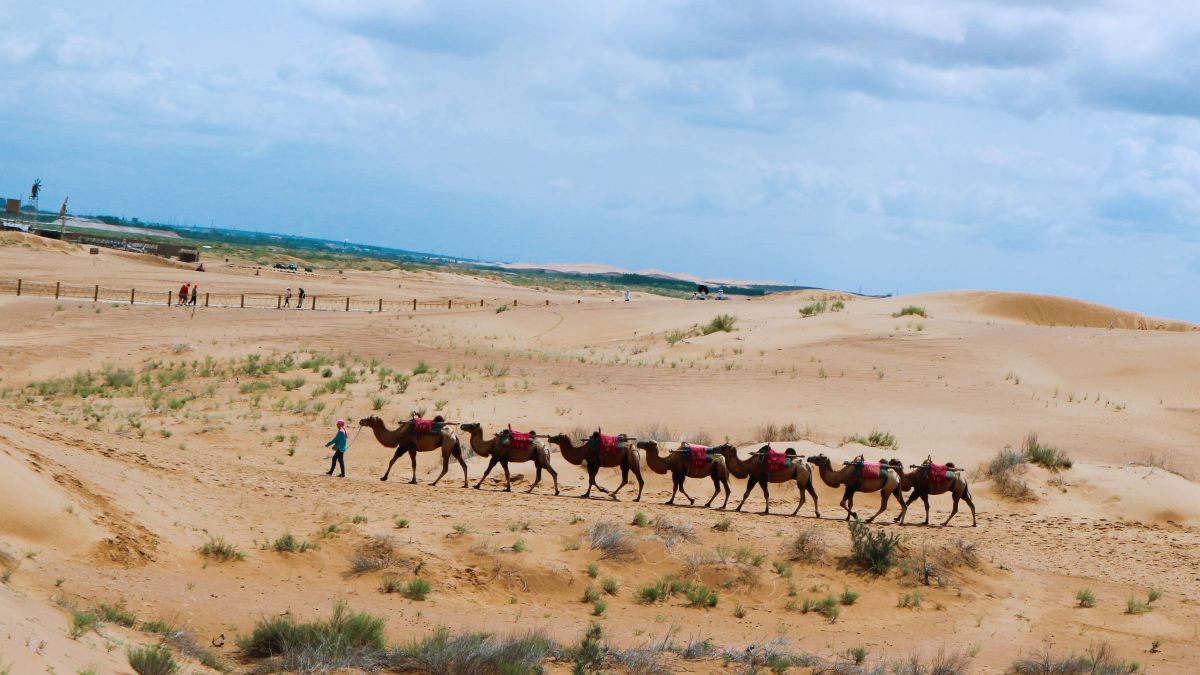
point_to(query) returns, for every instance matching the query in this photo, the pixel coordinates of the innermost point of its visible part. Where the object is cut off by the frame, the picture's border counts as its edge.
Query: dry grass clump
(152, 660)
(611, 539)
(219, 549)
(876, 439)
(375, 554)
(1006, 470)
(808, 546)
(347, 640)
(770, 431)
(1098, 660)
(1039, 453)
(671, 532)
(911, 310)
(471, 653)
(720, 323)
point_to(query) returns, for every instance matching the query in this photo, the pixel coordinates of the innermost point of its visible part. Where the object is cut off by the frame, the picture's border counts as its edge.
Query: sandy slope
(116, 513)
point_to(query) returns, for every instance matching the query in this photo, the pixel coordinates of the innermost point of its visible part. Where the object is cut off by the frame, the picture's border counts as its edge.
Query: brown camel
(679, 465)
(625, 456)
(755, 469)
(918, 480)
(850, 477)
(408, 441)
(499, 450)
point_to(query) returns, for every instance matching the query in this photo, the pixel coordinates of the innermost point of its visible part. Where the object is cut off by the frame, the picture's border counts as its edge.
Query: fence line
(324, 303)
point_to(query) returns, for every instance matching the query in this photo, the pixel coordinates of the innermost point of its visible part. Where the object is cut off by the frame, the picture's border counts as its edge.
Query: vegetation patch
(1039, 453)
(911, 310)
(875, 550)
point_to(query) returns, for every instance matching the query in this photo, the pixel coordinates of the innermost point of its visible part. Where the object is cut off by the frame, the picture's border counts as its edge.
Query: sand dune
(114, 493)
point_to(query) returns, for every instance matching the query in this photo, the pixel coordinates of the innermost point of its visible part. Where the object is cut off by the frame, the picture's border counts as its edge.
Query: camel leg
(412, 453)
(490, 466)
(624, 480)
(682, 489)
(911, 498)
(848, 502)
(925, 501)
(457, 452)
(800, 489)
(716, 490)
(398, 455)
(507, 478)
(537, 478)
(445, 466)
(813, 492)
(749, 486)
(725, 483)
(966, 494)
(953, 510)
(766, 490)
(553, 473)
(637, 473)
(674, 490)
(883, 500)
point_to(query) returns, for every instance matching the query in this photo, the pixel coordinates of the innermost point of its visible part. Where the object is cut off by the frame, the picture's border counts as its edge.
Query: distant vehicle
(286, 266)
(307, 269)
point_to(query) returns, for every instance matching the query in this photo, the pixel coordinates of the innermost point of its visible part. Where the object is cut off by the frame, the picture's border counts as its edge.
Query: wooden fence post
(381, 305)
(450, 303)
(169, 294)
(481, 302)
(314, 303)
(514, 303)
(243, 305)
(57, 286)
(19, 287)
(96, 294)
(347, 303)
(132, 295)
(278, 302)
(547, 303)
(414, 300)
(206, 299)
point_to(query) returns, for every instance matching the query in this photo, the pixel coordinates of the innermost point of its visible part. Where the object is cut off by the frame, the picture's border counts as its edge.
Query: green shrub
(117, 613)
(911, 310)
(402, 523)
(472, 653)
(640, 519)
(292, 384)
(217, 547)
(590, 594)
(856, 654)
(912, 600)
(1135, 606)
(346, 640)
(519, 546)
(720, 323)
(700, 595)
(82, 623)
(421, 368)
(610, 585)
(876, 439)
(848, 597)
(288, 543)
(598, 607)
(152, 660)
(653, 593)
(1085, 598)
(812, 309)
(1045, 455)
(592, 570)
(828, 607)
(417, 589)
(876, 551)
(391, 584)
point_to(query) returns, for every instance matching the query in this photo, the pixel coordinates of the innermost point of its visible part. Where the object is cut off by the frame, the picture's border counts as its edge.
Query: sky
(877, 146)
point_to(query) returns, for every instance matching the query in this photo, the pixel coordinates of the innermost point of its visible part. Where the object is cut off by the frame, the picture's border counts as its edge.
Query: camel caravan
(764, 467)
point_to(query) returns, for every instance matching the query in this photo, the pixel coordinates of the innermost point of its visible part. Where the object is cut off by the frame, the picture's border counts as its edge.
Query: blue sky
(892, 147)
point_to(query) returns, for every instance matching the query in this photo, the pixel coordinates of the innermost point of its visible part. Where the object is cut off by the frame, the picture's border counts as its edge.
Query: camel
(406, 441)
(755, 468)
(918, 481)
(679, 465)
(500, 451)
(850, 477)
(625, 457)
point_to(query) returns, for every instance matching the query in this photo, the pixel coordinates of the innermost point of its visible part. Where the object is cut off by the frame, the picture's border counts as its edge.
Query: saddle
(608, 444)
(938, 473)
(517, 440)
(873, 469)
(778, 461)
(421, 425)
(697, 454)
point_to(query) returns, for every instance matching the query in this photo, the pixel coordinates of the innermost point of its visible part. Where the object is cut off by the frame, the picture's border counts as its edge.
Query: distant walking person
(287, 298)
(626, 295)
(183, 295)
(195, 294)
(339, 449)
(300, 299)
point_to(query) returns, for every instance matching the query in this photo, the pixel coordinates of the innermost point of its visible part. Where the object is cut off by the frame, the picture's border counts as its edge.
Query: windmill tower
(34, 192)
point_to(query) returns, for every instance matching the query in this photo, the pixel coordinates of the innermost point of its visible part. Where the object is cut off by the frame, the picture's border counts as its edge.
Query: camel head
(648, 446)
(373, 421)
(820, 460)
(561, 439)
(724, 448)
(471, 427)
(894, 463)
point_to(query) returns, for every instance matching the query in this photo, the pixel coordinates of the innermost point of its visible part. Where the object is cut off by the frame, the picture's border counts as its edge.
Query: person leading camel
(338, 443)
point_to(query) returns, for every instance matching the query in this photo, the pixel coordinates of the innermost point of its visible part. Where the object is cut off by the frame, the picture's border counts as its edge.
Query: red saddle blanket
(422, 425)
(776, 461)
(697, 453)
(938, 473)
(608, 444)
(871, 469)
(519, 441)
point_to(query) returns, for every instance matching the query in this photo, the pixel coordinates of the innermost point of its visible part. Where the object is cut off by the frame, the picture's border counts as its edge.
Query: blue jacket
(338, 442)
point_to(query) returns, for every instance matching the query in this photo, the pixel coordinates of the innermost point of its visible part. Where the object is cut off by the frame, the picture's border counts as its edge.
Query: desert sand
(108, 498)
